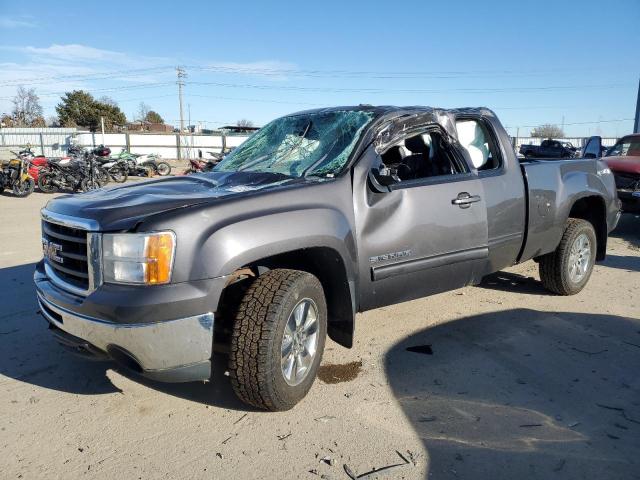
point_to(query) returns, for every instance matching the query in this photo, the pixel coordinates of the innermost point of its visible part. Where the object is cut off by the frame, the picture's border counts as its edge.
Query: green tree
(153, 117)
(547, 131)
(80, 109)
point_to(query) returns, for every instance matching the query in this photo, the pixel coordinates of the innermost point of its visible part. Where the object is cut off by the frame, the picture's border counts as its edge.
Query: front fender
(247, 241)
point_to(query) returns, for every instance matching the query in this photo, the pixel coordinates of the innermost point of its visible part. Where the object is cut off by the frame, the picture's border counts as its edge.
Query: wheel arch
(592, 208)
(326, 264)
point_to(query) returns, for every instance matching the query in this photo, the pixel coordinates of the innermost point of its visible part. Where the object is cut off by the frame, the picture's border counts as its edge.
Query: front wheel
(102, 176)
(89, 184)
(278, 339)
(24, 188)
(566, 270)
(163, 169)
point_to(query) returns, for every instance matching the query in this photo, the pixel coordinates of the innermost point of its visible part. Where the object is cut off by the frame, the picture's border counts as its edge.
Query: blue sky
(531, 62)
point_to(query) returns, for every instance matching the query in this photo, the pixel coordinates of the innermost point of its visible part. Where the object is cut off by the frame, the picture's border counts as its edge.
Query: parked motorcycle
(14, 174)
(146, 165)
(36, 162)
(117, 170)
(79, 173)
(200, 165)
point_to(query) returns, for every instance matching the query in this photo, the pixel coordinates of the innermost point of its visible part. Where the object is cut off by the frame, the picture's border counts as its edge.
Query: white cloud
(17, 22)
(65, 67)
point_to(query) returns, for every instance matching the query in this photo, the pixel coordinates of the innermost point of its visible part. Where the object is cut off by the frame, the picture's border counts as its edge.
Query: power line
(279, 72)
(82, 77)
(575, 123)
(112, 89)
(249, 70)
(407, 90)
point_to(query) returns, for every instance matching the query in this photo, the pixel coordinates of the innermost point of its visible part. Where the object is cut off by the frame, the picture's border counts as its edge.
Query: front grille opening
(55, 315)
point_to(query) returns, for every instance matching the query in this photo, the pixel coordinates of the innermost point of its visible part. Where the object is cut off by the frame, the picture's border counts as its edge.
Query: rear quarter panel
(554, 187)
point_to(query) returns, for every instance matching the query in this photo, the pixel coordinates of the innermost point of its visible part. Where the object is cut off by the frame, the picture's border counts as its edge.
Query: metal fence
(54, 142)
(577, 142)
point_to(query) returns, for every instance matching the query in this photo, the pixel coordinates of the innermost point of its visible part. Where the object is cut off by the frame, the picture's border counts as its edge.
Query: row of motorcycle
(82, 170)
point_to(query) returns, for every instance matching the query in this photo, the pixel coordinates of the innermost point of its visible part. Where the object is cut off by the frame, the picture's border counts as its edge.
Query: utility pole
(181, 75)
(636, 125)
(190, 131)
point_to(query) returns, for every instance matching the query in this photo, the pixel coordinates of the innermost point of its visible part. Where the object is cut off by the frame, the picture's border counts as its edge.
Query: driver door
(423, 236)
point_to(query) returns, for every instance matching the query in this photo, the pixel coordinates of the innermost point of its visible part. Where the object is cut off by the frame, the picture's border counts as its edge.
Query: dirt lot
(500, 381)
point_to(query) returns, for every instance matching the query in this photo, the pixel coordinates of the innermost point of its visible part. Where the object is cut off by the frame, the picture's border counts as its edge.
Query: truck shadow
(623, 262)
(523, 394)
(628, 229)
(29, 353)
(513, 282)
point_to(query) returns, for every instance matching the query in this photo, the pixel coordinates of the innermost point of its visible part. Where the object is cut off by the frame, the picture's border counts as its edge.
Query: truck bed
(547, 181)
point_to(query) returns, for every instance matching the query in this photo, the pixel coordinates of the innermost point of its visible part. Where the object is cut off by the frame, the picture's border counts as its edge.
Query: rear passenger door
(504, 191)
(427, 232)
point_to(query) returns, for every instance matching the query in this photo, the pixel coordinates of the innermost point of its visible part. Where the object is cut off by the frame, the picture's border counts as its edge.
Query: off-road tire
(118, 174)
(554, 266)
(162, 169)
(256, 340)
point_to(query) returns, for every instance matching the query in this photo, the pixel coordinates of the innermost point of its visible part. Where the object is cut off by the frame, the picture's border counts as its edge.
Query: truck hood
(624, 164)
(121, 208)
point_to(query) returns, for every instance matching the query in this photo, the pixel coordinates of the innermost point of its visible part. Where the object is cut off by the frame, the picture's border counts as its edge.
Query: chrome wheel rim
(299, 342)
(579, 258)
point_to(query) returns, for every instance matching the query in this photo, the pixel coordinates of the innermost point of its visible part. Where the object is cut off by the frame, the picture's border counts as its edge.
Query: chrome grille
(65, 251)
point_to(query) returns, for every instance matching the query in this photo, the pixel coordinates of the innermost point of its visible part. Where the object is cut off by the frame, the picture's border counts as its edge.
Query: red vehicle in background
(624, 161)
(36, 162)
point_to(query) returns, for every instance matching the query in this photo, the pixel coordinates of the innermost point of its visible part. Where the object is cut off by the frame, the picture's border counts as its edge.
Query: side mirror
(593, 148)
(382, 178)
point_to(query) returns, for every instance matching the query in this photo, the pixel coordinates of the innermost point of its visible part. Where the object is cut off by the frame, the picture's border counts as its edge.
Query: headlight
(144, 258)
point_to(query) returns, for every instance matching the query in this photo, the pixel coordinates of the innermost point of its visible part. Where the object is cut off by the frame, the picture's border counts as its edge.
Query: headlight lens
(141, 258)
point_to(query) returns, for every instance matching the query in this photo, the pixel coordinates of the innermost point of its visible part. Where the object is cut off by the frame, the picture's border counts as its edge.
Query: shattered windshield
(299, 145)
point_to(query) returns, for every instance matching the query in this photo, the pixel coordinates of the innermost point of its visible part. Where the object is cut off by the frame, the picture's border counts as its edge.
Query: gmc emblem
(50, 251)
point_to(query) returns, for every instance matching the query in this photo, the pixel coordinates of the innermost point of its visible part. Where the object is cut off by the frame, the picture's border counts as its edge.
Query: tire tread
(255, 325)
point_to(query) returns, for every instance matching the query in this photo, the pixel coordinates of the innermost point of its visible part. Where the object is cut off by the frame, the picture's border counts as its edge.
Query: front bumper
(173, 351)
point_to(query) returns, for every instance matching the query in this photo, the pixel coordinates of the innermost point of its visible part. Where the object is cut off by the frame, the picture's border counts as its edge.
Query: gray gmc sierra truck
(317, 216)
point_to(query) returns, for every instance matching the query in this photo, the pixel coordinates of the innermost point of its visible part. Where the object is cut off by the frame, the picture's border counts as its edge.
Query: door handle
(464, 200)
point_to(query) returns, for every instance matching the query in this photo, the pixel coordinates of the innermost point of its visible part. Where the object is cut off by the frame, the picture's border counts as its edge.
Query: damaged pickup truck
(317, 216)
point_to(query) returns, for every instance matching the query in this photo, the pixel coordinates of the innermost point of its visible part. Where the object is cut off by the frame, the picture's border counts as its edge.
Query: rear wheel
(566, 270)
(45, 183)
(24, 188)
(163, 169)
(278, 339)
(118, 174)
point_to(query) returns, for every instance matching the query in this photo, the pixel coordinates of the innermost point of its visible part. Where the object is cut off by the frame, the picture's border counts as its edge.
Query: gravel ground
(502, 380)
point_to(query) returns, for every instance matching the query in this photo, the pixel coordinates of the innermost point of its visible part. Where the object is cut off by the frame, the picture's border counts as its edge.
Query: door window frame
(493, 137)
(470, 174)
